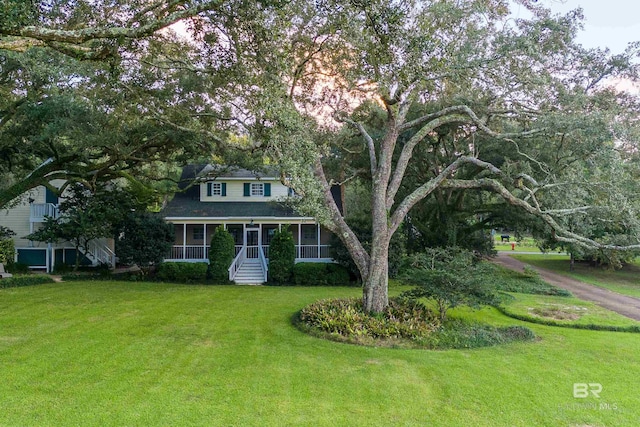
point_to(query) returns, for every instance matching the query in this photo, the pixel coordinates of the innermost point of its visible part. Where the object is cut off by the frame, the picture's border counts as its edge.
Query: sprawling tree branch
(368, 139)
(84, 35)
(424, 190)
(561, 234)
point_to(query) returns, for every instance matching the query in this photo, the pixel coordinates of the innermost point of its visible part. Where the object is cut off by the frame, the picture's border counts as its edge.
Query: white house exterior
(247, 204)
(27, 215)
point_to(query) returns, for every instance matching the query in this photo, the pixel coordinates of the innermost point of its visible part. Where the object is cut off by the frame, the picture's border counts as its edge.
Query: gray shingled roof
(186, 207)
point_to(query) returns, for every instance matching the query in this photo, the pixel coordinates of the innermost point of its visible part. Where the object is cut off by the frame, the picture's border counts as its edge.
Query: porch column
(318, 240)
(184, 241)
(299, 240)
(204, 241)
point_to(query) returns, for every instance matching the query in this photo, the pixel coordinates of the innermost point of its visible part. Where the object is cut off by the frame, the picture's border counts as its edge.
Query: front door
(252, 239)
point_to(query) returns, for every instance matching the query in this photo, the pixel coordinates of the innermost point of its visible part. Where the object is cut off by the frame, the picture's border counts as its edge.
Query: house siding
(235, 191)
(17, 218)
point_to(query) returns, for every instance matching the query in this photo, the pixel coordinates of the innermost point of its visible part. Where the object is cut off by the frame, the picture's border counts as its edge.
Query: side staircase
(250, 272)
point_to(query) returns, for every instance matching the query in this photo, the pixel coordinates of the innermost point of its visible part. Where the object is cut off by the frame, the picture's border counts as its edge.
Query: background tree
(145, 239)
(70, 70)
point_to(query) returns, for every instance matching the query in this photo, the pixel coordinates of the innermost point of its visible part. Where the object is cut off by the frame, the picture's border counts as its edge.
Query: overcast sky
(608, 23)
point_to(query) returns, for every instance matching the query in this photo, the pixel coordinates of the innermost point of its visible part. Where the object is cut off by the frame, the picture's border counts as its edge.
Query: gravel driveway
(626, 305)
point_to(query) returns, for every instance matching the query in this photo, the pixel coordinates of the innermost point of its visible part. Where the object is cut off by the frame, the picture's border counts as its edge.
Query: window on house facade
(257, 189)
(198, 233)
(216, 189)
(309, 234)
(267, 235)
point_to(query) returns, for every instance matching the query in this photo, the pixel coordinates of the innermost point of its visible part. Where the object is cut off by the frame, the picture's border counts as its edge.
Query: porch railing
(265, 266)
(312, 251)
(102, 254)
(189, 252)
(237, 262)
(38, 211)
(199, 252)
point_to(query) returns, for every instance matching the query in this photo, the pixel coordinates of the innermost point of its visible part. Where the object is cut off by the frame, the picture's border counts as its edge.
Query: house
(248, 205)
(28, 213)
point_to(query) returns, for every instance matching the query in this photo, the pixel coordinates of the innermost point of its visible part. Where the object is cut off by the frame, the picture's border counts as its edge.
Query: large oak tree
(482, 77)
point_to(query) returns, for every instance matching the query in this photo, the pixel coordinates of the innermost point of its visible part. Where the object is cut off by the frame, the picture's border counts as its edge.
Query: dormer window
(257, 189)
(216, 189)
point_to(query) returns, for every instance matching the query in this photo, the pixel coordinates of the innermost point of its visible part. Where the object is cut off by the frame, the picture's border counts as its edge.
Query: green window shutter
(247, 189)
(267, 190)
(224, 189)
(209, 189)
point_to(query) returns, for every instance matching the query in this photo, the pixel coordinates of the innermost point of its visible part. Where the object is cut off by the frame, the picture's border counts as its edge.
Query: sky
(607, 23)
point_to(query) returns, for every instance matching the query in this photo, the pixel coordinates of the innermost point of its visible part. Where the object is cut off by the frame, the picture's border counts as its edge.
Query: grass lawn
(113, 354)
(526, 244)
(565, 310)
(625, 281)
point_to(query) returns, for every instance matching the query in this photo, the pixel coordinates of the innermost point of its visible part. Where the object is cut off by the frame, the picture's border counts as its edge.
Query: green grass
(115, 353)
(565, 310)
(526, 244)
(625, 281)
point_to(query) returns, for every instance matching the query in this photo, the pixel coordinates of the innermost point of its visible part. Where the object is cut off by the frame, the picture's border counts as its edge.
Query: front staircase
(250, 272)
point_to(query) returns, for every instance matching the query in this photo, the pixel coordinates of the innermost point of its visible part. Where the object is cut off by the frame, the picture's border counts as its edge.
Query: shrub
(221, 255)
(320, 274)
(19, 281)
(145, 240)
(346, 318)
(282, 257)
(7, 252)
(404, 323)
(450, 278)
(187, 272)
(459, 334)
(527, 282)
(18, 268)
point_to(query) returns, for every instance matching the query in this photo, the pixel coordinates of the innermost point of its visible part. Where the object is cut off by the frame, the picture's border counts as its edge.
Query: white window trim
(216, 189)
(257, 189)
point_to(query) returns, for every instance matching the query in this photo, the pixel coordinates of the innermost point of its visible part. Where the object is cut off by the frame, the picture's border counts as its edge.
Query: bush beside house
(320, 274)
(282, 257)
(221, 255)
(185, 272)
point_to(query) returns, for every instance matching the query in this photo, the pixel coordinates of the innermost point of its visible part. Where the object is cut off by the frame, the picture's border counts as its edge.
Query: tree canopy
(445, 97)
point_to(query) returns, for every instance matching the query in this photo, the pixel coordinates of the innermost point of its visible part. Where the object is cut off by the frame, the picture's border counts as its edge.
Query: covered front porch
(193, 239)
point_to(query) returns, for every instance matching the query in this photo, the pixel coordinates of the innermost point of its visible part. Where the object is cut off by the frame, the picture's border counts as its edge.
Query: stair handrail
(102, 253)
(263, 262)
(237, 262)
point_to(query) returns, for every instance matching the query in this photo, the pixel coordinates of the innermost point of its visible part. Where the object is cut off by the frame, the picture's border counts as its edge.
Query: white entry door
(252, 241)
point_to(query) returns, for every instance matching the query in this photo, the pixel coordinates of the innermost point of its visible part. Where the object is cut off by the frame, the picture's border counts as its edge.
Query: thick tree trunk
(571, 261)
(375, 287)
